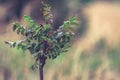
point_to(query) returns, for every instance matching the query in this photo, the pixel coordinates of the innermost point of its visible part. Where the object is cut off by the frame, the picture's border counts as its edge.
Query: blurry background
(95, 54)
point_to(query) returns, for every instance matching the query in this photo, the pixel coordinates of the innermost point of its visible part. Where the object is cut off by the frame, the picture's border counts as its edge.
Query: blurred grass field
(94, 56)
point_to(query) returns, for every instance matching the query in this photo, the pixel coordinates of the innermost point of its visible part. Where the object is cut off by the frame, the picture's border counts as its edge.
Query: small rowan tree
(41, 40)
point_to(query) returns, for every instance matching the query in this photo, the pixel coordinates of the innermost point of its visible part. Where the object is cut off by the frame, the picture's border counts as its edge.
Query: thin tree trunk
(41, 71)
(42, 61)
(41, 66)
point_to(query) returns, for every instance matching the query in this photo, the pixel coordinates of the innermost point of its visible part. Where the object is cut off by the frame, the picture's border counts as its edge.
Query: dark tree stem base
(41, 66)
(41, 72)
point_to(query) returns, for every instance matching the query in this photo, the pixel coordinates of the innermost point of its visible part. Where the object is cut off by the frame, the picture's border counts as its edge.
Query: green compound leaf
(29, 20)
(16, 26)
(46, 27)
(71, 19)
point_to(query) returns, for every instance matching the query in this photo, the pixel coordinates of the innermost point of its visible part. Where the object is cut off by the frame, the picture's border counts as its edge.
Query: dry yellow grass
(103, 22)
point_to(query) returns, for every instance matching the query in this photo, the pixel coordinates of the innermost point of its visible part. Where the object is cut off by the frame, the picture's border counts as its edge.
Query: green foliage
(41, 40)
(95, 63)
(29, 20)
(114, 57)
